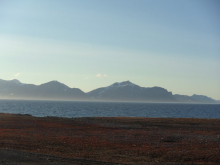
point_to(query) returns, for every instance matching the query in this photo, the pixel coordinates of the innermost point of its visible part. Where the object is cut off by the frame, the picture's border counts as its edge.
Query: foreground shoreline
(108, 140)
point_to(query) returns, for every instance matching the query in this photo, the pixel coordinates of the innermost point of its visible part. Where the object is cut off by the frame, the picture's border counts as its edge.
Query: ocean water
(109, 109)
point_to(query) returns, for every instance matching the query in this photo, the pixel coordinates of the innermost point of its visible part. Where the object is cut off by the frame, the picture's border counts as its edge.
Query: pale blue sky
(93, 43)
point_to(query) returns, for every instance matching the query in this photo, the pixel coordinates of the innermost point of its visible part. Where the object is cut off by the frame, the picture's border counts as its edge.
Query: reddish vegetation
(121, 140)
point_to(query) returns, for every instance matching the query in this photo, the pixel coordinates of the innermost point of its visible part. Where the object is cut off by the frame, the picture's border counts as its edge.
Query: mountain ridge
(118, 91)
(52, 90)
(127, 91)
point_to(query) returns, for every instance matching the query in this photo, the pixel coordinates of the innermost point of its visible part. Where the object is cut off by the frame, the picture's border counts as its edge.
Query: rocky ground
(30, 140)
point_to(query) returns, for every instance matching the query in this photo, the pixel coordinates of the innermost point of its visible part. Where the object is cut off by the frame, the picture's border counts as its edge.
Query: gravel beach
(25, 139)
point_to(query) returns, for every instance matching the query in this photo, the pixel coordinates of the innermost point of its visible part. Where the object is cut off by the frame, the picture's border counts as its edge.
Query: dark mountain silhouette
(123, 91)
(184, 98)
(127, 91)
(203, 98)
(52, 90)
(195, 99)
(57, 90)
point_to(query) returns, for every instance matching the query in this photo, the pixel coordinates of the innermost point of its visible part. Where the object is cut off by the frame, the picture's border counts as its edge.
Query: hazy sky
(174, 44)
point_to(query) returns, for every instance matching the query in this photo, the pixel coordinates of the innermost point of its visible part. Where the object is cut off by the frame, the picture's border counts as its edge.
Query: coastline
(110, 140)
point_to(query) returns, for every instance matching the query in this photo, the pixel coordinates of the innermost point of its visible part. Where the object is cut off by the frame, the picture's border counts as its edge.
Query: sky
(88, 44)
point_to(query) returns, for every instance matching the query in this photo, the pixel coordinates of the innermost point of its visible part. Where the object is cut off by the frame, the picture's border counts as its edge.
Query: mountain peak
(122, 84)
(203, 98)
(54, 83)
(16, 82)
(126, 82)
(13, 81)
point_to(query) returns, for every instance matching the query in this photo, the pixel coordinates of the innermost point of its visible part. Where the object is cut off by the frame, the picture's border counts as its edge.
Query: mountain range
(123, 91)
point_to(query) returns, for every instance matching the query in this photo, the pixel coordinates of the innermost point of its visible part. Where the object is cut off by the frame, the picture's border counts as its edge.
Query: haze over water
(109, 109)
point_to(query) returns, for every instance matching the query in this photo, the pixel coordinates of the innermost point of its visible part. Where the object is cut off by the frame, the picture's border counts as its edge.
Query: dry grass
(118, 140)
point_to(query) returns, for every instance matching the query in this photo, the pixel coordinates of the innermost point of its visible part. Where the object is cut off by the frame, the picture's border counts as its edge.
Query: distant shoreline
(104, 101)
(121, 117)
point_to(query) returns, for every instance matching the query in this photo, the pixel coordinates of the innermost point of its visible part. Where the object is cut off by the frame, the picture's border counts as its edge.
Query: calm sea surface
(109, 109)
